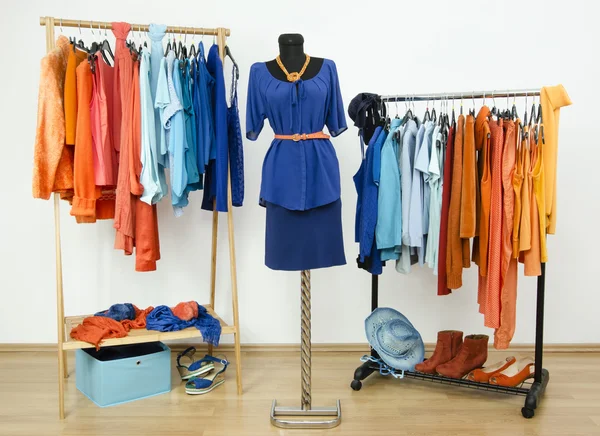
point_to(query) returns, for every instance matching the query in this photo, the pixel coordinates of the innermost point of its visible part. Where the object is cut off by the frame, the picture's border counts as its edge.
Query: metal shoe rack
(532, 391)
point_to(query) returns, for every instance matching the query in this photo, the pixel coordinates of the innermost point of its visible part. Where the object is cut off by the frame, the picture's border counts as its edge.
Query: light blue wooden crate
(132, 375)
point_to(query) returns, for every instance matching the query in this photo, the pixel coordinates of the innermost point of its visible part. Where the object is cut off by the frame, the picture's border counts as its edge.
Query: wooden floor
(384, 407)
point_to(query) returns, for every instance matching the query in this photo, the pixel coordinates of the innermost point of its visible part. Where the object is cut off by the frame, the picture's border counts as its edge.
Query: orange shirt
(468, 212)
(494, 280)
(85, 207)
(75, 58)
(517, 183)
(532, 256)
(455, 250)
(124, 213)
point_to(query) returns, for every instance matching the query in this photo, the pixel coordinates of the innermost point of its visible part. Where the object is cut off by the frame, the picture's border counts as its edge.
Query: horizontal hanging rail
(499, 93)
(84, 24)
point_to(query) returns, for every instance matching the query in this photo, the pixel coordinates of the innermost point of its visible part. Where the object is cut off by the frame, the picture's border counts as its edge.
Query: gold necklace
(292, 77)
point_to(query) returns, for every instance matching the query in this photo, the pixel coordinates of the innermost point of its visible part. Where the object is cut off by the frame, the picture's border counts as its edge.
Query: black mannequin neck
(291, 53)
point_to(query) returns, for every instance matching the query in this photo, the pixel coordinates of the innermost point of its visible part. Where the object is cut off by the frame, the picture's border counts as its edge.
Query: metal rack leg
(541, 376)
(306, 411)
(367, 368)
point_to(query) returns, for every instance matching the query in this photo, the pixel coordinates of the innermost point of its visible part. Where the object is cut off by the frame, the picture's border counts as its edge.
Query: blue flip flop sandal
(203, 385)
(195, 367)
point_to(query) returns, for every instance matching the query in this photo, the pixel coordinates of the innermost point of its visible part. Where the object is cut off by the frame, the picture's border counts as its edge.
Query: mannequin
(291, 52)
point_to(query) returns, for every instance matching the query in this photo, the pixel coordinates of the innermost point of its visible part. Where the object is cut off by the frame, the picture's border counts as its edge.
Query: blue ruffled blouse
(305, 174)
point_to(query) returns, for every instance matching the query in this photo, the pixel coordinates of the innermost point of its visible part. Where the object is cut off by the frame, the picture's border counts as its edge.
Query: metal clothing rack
(65, 324)
(532, 392)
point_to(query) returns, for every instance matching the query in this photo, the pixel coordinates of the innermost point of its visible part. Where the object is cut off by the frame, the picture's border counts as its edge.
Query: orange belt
(303, 136)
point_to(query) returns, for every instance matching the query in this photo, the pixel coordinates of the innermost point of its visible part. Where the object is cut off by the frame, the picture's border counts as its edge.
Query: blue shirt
(389, 210)
(202, 91)
(173, 124)
(218, 183)
(366, 205)
(305, 174)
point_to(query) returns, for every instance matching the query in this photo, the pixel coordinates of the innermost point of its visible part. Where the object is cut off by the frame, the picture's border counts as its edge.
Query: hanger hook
(185, 37)
(494, 97)
(105, 34)
(91, 28)
(99, 29)
(60, 25)
(79, 27)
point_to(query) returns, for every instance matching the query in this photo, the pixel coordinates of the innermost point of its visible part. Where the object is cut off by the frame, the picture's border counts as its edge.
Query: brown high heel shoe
(515, 374)
(448, 344)
(483, 375)
(472, 354)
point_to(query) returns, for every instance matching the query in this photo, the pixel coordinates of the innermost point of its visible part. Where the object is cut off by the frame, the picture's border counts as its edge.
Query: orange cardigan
(52, 161)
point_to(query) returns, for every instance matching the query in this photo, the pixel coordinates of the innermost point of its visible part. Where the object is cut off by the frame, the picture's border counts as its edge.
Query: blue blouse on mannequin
(300, 179)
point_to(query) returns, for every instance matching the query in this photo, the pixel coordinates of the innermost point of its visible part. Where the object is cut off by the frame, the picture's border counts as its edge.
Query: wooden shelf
(137, 336)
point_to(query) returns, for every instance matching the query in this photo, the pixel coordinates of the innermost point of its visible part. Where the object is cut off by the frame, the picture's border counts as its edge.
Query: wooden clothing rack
(532, 391)
(64, 324)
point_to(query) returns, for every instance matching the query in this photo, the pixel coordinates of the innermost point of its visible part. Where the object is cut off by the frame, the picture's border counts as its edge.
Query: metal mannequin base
(309, 418)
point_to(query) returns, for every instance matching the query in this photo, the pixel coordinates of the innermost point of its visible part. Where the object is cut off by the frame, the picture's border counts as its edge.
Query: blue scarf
(119, 312)
(163, 320)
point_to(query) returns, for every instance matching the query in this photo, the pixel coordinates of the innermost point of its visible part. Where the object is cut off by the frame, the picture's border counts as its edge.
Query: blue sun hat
(394, 338)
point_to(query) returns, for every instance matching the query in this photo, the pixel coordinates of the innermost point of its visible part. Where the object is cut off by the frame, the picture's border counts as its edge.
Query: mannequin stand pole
(306, 410)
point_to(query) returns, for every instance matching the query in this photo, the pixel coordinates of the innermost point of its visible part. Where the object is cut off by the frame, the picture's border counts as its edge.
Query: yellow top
(552, 99)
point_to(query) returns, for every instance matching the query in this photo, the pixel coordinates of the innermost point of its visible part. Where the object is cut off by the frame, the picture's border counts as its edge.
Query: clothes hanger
(193, 52)
(433, 113)
(168, 49)
(514, 113)
(427, 116)
(237, 69)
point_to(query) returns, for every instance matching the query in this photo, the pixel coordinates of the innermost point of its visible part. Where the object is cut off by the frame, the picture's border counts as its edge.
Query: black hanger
(237, 69)
(427, 115)
(169, 47)
(193, 52)
(433, 115)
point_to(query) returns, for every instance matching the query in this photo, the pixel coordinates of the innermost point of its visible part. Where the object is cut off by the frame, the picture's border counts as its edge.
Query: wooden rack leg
(213, 262)
(222, 41)
(60, 311)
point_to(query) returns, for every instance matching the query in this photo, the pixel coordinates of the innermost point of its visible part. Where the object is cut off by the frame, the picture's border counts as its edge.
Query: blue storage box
(115, 375)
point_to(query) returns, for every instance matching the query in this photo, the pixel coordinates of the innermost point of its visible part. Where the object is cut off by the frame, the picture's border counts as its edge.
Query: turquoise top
(388, 233)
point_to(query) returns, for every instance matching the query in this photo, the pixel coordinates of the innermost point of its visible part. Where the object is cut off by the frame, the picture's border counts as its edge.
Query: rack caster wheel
(356, 385)
(527, 413)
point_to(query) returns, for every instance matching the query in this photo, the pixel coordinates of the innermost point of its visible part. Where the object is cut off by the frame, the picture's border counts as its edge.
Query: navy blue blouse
(305, 174)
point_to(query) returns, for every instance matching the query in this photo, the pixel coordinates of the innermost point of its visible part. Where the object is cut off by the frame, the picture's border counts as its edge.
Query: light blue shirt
(435, 200)
(154, 185)
(388, 233)
(173, 123)
(415, 221)
(407, 157)
(156, 32)
(422, 171)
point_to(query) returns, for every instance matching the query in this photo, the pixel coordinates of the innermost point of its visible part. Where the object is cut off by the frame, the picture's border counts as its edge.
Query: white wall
(386, 47)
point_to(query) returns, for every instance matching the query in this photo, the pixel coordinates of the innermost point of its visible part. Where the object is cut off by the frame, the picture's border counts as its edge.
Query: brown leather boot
(472, 354)
(448, 344)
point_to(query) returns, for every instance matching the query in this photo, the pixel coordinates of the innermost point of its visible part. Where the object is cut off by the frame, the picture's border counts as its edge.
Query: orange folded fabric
(94, 329)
